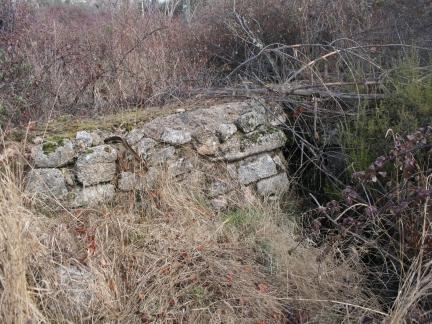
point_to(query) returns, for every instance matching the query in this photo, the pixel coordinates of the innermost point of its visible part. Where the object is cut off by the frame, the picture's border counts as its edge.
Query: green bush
(407, 107)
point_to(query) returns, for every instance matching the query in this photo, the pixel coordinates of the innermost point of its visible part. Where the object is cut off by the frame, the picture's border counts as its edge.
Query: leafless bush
(386, 214)
(80, 60)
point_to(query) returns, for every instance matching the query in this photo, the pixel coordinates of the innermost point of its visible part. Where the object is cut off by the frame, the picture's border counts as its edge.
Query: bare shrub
(79, 60)
(386, 216)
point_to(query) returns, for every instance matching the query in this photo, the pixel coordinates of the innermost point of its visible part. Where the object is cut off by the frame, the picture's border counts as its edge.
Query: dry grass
(168, 259)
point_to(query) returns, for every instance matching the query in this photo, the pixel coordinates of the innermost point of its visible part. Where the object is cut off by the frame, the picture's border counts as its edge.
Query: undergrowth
(407, 107)
(174, 261)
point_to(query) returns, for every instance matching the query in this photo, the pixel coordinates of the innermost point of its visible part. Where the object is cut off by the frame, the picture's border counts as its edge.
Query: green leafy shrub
(407, 107)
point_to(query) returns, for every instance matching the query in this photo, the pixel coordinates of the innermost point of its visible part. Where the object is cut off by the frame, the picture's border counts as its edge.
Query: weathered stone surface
(225, 131)
(280, 162)
(249, 121)
(150, 179)
(96, 165)
(85, 137)
(220, 187)
(98, 137)
(180, 166)
(145, 147)
(253, 154)
(53, 155)
(277, 119)
(74, 283)
(135, 136)
(162, 156)
(253, 143)
(46, 183)
(176, 137)
(256, 168)
(208, 118)
(69, 176)
(89, 196)
(206, 142)
(128, 181)
(275, 185)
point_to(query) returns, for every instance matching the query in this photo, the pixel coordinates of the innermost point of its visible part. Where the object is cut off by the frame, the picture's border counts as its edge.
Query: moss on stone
(52, 143)
(49, 147)
(59, 140)
(67, 126)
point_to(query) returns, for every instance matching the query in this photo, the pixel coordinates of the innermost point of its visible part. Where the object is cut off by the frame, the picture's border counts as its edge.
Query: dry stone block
(46, 183)
(135, 136)
(84, 137)
(145, 147)
(162, 155)
(53, 154)
(249, 121)
(74, 282)
(239, 134)
(128, 181)
(260, 141)
(96, 165)
(256, 168)
(176, 137)
(225, 131)
(89, 196)
(220, 187)
(277, 185)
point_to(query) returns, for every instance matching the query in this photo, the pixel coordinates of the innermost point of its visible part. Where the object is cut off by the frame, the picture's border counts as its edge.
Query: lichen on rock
(46, 183)
(97, 165)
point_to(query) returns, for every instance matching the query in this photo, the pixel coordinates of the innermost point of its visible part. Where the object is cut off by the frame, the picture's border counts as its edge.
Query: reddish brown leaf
(263, 287)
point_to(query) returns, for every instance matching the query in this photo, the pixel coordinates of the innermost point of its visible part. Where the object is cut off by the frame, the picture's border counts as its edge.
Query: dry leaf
(263, 287)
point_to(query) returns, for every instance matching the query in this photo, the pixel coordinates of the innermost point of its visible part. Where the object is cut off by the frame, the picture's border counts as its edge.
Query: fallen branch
(286, 90)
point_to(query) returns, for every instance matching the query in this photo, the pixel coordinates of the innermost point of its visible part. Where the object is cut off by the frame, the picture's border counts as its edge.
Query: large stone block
(46, 183)
(176, 137)
(145, 147)
(249, 121)
(53, 154)
(96, 165)
(276, 185)
(88, 196)
(260, 141)
(225, 131)
(256, 168)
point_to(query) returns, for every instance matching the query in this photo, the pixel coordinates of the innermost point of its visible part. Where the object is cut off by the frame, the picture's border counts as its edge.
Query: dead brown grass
(168, 259)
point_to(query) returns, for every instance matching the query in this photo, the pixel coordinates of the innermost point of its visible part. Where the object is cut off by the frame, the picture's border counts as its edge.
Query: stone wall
(222, 148)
